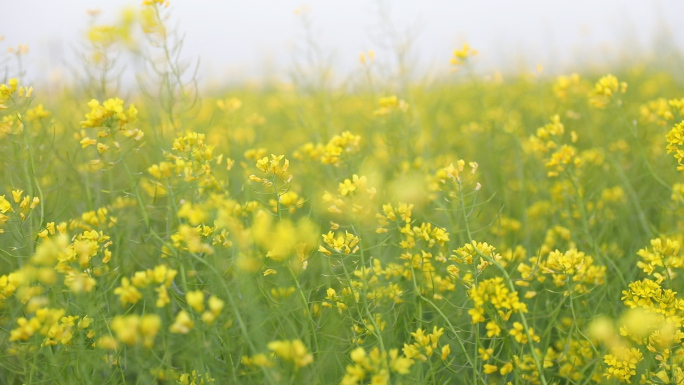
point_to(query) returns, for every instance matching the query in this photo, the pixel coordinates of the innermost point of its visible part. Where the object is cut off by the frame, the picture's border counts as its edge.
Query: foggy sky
(245, 39)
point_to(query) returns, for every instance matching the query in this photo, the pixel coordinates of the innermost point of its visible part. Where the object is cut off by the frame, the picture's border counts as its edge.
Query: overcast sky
(239, 37)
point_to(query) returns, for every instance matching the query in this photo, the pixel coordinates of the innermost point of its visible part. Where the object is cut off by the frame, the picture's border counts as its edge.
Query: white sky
(236, 39)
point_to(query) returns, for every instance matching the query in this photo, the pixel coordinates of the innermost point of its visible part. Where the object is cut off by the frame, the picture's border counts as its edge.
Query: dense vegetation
(472, 230)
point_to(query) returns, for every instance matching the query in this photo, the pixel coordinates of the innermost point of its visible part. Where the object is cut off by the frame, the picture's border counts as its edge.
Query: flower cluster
(390, 104)
(460, 56)
(293, 351)
(493, 292)
(675, 142)
(375, 365)
(605, 90)
(318, 231)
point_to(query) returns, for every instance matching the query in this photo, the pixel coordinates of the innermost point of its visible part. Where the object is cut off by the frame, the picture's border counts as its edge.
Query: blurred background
(256, 40)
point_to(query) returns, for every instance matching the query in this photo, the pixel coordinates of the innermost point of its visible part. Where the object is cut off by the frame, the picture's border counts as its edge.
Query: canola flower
(461, 56)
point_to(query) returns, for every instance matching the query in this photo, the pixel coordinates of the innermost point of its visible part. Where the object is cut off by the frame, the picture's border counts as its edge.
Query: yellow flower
(102, 35)
(675, 143)
(155, 2)
(183, 323)
(493, 329)
(493, 291)
(162, 296)
(229, 105)
(126, 328)
(110, 114)
(401, 364)
(195, 379)
(519, 334)
(604, 90)
(293, 351)
(149, 327)
(260, 360)
(446, 350)
(196, 300)
(127, 293)
(102, 148)
(107, 343)
(622, 363)
(485, 353)
(215, 305)
(85, 142)
(5, 205)
(78, 282)
(460, 56)
(16, 195)
(25, 330)
(506, 368)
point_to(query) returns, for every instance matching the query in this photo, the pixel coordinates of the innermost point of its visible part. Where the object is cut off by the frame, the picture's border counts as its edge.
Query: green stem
(509, 283)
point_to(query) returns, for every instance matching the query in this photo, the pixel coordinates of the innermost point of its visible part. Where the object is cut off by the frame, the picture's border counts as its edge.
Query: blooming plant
(517, 231)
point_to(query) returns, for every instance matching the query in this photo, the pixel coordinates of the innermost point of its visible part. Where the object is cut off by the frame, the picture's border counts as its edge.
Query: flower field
(496, 229)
